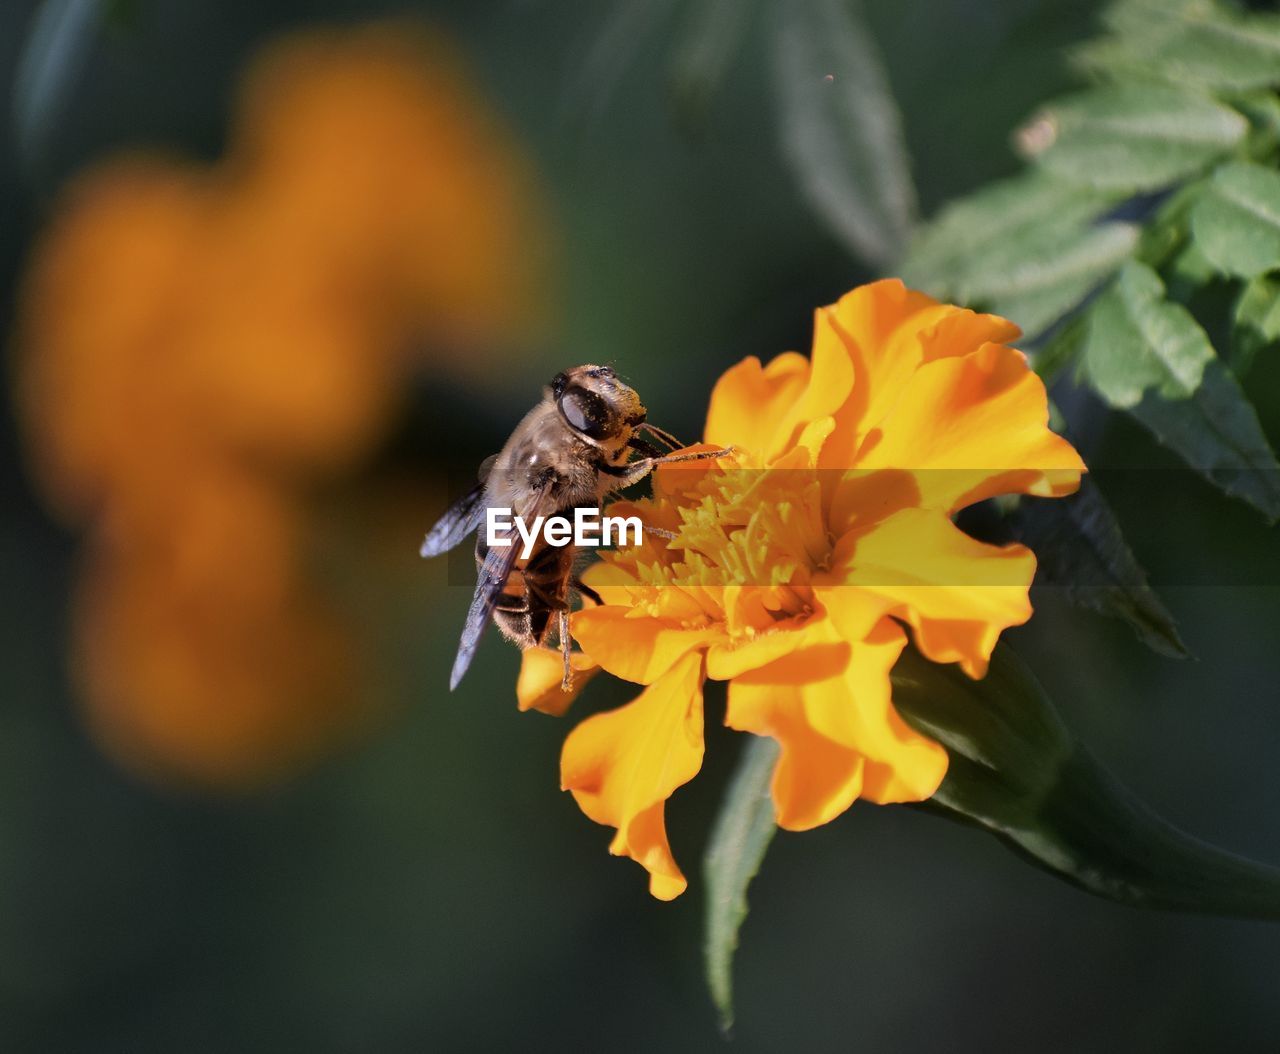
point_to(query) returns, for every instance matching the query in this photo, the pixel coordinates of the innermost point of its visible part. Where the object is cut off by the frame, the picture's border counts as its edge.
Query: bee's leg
(660, 532)
(566, 644)
(584, 590)
(637, 470)
(643, 446)
(660, 434)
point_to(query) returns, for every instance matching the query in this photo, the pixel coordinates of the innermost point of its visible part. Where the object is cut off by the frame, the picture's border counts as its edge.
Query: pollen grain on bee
(589, 528)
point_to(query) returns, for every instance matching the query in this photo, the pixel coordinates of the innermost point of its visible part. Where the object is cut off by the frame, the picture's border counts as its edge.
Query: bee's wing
(493, 575)
(463, 517)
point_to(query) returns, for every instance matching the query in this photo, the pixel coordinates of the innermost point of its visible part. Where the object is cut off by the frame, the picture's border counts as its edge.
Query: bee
(584, 440)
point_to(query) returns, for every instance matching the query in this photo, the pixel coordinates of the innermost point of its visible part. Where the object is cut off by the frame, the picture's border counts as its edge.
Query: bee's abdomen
(533, 592)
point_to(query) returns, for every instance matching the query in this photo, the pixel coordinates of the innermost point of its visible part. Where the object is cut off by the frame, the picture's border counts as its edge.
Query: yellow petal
(860, 498)
(829, 708)
(830, 383)
(767, 410)
(961, 331)
(855, 711)
(889, 332)
(749, 399)
(612, 578)
(957, 593)
(541, 674)
(727, 659)
(973, 427)
(623, 765)
(635, 649)
(851, 612)
(815, 779)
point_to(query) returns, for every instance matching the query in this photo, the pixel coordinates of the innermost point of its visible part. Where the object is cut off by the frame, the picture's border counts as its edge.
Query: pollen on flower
(742, 527)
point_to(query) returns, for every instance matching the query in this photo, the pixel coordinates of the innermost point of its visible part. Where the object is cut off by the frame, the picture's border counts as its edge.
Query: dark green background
(430, 887)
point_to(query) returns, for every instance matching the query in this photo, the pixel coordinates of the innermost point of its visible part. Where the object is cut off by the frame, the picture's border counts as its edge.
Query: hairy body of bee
(534, 592)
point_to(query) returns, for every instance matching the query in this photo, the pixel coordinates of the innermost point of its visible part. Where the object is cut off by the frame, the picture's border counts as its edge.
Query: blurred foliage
(1146, 190)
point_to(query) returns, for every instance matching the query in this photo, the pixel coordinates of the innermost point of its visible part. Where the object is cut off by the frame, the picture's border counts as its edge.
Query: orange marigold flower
(798, 564)
(202, 348)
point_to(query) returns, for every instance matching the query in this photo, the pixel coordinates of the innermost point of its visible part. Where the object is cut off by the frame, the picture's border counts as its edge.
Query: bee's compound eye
(586, 412)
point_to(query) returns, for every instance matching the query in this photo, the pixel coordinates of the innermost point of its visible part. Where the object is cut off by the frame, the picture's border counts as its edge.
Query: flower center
(751, 539)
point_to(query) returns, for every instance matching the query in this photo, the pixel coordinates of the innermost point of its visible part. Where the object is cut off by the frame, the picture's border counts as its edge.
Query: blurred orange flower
(798, 562)
(201, 346)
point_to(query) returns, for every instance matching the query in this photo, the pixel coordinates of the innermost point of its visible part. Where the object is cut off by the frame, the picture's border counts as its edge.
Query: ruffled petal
(850, 611)
(727, 659)
(973, 427)
(749, 399)
(816, 779)
(613, 578)
(957, 593)
(829, 708)
(889, 331)
(767, 410)
(636, 649)
(541, 674)
(855, 711)
(623, 765)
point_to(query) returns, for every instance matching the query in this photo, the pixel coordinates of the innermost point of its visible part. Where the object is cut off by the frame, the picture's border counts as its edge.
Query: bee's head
(594, 403)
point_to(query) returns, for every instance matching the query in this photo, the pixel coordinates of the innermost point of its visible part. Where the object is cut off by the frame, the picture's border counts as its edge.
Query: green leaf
(1256, 322)
(1080, 548)
(1024, 248)
(1150, 357)
(1054, 355)
(1218, 433)
(1017, 771)
(1190, 43)
(1045, 275)
(1236, 220)
(840, 128)
(712, 35)
(626, 28)
(1134, 17)
(743, 831)
(1132, 136)
(61, 36)
(1138, 341)
(1188, 273)
(1001, 216)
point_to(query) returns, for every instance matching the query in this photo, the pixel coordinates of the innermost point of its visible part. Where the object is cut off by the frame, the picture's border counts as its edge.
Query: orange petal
(767, 410)
(961, 331)
(541, 674)
(815, 779)
(830, 383)
(890, 331)
(612, 577)
(749, 399)
(973, 427)
(623, 765)
(729, 659)
(874, 324)
(855, 711)
(829, 708)
(957, 593)
(635, 649)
